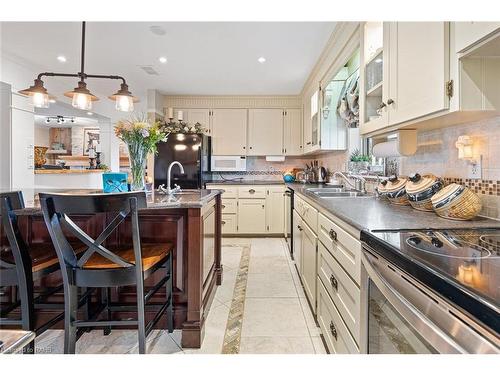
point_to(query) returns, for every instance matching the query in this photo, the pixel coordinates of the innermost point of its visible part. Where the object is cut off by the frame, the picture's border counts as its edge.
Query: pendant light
(81, 97)
(124, 99)
(38, 93)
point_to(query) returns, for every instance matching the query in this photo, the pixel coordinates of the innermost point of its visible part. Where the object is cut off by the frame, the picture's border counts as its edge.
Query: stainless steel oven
(400, 315)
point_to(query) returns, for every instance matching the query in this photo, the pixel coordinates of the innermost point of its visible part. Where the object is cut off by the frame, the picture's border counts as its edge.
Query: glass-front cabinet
(375, 82)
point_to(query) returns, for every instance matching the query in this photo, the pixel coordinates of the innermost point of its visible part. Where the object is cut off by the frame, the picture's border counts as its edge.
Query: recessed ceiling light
(261, 59)
(89, 113)
(162, 59)
(61, 58)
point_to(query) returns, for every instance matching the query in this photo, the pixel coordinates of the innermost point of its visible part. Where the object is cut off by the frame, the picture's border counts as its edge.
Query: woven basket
(456, 202)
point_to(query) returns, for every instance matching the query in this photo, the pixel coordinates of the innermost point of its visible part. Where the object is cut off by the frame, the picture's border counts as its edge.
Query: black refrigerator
(192, 151)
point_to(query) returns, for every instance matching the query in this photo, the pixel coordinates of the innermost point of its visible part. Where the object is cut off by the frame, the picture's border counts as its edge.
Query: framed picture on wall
(90, 137)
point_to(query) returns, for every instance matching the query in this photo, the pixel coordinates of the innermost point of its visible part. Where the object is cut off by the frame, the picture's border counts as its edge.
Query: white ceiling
(203, 58)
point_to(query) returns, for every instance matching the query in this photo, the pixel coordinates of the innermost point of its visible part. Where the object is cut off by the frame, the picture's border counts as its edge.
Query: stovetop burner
(455, 245)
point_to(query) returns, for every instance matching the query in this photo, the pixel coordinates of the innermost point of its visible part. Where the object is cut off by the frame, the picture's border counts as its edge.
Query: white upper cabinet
(468, 34)
(265, 132)
(419, 69)
(404, 72)
(292, 132)
(192, 116)
(229, 131)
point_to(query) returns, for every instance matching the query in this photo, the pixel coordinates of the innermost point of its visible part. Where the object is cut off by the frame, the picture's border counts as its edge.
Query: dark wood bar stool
(103, 266)
(20, 266)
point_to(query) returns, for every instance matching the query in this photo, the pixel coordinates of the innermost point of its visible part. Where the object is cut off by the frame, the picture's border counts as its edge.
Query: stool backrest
(9, 202)
(57, 208)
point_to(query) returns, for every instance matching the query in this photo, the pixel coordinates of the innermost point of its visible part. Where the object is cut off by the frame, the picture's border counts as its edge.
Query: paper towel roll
(386, 149)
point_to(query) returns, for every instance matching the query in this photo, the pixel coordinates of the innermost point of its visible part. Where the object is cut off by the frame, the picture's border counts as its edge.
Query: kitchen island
(191, 220)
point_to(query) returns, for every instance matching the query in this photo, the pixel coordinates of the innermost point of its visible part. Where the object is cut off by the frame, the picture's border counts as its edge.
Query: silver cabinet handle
(382, 105)
(223, 222)
(334, 282)
(333, 235)
(333, 330)
(251, 191)
(390, 101)
(300, 228)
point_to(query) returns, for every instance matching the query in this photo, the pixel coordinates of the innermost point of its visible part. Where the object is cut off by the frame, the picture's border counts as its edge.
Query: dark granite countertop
(155, 200)
(371, 213)
(245, 182)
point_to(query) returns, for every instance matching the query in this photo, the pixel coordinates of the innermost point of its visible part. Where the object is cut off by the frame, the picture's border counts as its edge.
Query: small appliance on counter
(435, 291)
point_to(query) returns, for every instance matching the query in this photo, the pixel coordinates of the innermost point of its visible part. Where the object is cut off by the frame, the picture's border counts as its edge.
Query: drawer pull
(334, 282)
(251, 191)
(223, 222)
(333, 330)
(333, 235)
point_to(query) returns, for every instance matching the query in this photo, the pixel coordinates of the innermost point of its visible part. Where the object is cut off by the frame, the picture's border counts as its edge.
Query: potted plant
(358, 162)
(141, 137)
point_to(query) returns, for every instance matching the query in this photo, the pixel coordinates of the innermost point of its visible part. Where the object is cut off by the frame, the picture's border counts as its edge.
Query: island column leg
(192, 334)
(218, 240)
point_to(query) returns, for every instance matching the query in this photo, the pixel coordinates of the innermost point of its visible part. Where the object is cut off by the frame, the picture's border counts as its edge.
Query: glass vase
(138, 157)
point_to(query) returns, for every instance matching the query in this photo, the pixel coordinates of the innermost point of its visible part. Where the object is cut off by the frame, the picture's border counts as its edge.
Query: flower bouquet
(141, 137)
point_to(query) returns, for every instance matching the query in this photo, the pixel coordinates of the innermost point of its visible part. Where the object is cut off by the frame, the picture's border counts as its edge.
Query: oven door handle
(425, 327)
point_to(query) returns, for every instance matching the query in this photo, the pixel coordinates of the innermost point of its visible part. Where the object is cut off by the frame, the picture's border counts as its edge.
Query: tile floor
(276, 317)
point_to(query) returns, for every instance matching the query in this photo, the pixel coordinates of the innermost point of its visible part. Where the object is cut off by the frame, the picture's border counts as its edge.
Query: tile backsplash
(437, 154)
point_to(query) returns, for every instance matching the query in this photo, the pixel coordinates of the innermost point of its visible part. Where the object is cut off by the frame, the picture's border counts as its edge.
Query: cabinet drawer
(229, 191)
(308, 213)
(337, 336)
(228, 223)
(252, 192)
(229, 206)
(343, 291)
(345, 248)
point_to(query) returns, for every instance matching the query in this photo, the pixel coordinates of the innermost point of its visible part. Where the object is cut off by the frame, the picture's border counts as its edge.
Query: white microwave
(229, 163)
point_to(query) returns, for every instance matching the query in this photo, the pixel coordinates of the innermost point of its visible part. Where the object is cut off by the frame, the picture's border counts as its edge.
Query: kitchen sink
(338, 192)
(344, 194)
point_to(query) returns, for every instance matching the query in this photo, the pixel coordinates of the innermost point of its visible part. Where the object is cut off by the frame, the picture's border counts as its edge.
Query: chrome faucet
(167, 190)
(360, 183)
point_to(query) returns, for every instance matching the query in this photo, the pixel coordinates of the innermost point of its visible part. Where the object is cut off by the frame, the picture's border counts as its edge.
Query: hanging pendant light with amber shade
(81, 97)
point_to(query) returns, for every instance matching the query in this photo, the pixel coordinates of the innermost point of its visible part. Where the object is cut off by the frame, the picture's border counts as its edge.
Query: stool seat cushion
(152, 254)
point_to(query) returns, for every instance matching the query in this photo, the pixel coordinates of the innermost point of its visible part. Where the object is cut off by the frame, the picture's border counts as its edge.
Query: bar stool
(103, 266)
(20, 265)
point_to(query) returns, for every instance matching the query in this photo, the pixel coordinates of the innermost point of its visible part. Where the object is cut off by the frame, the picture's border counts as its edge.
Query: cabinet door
(297, 241)
(293, 132)
(265, 132)
(229, 131)
(419, 69)
(229, 223)
(251, 216)
(202, 116)
(275, 209)
(309, 273)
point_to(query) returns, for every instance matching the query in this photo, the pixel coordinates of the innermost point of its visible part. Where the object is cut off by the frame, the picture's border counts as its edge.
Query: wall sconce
(465, 148)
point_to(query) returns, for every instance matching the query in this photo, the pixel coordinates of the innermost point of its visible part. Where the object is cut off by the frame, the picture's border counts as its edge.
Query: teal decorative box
(114, 182)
